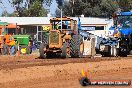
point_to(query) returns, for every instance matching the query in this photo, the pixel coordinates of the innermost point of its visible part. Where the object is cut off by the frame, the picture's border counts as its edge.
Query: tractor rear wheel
(123, 51)
(41, 50)
(5, 49)
(76, 46)
(130, 52)
(65, 50)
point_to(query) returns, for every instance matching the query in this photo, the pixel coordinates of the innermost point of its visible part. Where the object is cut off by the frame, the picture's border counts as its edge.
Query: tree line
(93, 8)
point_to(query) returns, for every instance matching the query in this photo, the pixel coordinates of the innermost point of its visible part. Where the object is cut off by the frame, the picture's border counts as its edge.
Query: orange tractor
(7, 42)
(63, 41)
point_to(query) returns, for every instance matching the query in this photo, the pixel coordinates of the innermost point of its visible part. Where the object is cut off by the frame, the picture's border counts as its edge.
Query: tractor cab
(68, 24)
(123, 21)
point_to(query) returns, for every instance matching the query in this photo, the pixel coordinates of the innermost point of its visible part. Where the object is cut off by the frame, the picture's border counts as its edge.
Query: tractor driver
(64, 26)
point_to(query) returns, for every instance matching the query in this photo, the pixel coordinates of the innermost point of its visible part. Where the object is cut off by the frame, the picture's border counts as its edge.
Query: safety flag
(84, 74)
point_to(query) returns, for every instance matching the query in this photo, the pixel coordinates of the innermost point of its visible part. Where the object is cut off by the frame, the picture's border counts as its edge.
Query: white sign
(88, 28)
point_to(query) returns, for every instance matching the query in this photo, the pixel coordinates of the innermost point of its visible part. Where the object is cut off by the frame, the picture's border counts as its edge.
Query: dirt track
(31, 72)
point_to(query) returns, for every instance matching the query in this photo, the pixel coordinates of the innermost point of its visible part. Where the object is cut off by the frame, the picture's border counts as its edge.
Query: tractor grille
(54, 37)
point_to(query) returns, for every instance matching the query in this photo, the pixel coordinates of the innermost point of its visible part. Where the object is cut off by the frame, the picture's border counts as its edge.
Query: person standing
(116, 33)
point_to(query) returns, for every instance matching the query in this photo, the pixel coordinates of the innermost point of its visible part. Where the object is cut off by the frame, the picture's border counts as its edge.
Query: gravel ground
(29, 71)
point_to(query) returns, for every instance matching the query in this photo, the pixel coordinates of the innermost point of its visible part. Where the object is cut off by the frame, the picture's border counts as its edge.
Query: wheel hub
(23, 50)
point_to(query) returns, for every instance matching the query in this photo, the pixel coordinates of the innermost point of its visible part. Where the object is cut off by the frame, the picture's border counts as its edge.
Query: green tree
(35, 9)
(4, 13)
(72, 9)
(95, 8)
(18, 6)
(108, 7)
(125, 5)
(31, 8)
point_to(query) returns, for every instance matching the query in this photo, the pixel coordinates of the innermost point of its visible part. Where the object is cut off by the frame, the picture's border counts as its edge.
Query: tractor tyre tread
(75, 46)
(41, 50)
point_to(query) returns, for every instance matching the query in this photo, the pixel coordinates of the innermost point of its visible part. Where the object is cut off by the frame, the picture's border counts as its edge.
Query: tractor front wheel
(5, 50)
(41, 50)
(64, 49)
(123, 52)
(24, 50)
(76, 46)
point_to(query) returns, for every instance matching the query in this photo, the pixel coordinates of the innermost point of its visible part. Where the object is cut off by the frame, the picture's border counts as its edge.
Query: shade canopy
(8, 25)
(3, 23)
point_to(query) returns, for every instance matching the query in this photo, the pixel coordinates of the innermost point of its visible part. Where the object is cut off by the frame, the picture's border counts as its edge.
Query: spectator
(116, 32)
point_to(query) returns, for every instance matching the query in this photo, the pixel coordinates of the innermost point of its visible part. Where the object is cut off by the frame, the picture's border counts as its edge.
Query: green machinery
(10, 44)
(24, 43)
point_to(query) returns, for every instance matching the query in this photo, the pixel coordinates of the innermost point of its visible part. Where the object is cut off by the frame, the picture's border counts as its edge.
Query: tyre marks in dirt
(12, 63)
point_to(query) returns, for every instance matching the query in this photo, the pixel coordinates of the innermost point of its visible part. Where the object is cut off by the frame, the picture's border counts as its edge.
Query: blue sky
(6, 6)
